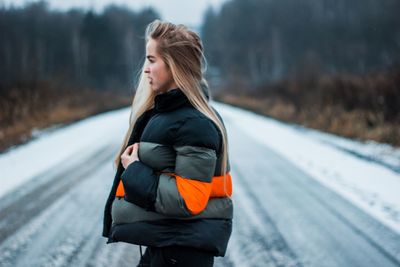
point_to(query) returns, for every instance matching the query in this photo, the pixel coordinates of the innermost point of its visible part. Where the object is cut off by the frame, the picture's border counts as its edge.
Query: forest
(325, 64)
(59, 67)
(259, 41)
(330, 65)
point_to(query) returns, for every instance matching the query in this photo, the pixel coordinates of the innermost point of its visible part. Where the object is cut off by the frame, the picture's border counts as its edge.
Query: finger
(128, 147)
(127, 151)
(132, 147)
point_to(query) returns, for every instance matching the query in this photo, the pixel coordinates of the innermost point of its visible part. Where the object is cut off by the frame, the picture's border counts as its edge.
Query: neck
(170, 87)
(173, 86)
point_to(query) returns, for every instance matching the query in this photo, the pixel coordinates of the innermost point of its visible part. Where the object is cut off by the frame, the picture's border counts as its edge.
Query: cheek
(164, 71)
(156, 70)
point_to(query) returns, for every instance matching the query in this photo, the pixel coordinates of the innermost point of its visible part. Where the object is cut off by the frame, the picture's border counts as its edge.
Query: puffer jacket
(175, 194)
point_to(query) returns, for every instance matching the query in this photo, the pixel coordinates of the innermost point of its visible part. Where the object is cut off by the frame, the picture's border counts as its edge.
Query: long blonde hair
(182, 51)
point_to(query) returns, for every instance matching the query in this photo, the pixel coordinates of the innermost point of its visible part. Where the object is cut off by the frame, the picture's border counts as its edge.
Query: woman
(172, 188)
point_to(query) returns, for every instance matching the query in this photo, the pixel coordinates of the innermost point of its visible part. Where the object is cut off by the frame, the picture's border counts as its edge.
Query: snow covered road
(282, 216)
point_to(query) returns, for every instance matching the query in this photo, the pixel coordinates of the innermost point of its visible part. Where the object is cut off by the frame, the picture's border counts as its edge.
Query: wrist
(134, 160)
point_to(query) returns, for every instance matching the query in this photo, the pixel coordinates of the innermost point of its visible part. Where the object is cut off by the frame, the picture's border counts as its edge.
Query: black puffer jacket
(174, 194)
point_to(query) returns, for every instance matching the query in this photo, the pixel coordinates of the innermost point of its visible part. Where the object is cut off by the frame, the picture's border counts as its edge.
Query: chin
(155, 89)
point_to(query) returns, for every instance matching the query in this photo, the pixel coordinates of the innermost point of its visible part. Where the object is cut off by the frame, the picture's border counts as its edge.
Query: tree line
(58, 67)
(332, 65)
(71, 49)
(259, 41)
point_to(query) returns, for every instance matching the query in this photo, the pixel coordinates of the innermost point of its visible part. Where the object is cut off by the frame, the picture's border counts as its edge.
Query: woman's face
(158, 73)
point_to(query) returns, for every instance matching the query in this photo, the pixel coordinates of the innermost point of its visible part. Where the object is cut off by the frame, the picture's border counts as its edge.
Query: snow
(384, 154)
(370, 185)
(365, 174)
(50, 148)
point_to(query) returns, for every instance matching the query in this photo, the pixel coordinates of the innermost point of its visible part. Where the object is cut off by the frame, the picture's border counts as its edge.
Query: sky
(189, 13)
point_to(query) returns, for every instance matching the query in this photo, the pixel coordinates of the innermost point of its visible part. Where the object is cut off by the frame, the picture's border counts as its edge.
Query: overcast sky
(176, 11)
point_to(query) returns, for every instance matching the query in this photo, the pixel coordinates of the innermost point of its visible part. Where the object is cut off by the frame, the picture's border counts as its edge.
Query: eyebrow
(150, 56)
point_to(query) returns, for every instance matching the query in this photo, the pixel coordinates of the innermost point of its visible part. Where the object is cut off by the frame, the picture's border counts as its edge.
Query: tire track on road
(312, 217)
(389, 253)
(21, 211)
(280, 253)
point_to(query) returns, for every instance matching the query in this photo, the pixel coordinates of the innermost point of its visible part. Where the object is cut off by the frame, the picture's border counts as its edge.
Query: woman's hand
(130, 155)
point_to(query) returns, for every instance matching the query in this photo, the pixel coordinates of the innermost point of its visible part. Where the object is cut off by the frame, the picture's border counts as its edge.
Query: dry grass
(21, 116)
(362, 106)
(334, 119)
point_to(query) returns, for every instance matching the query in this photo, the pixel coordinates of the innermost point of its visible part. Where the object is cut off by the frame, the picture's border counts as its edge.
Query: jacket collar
(170, 100)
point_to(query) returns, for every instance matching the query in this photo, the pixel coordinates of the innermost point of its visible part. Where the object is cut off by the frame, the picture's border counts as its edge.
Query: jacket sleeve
(186, 191)
(140, 183)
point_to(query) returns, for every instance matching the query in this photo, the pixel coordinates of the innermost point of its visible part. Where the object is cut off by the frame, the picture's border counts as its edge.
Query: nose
(147, 70)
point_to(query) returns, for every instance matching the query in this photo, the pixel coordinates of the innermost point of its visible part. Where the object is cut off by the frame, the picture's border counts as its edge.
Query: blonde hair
(182, 52)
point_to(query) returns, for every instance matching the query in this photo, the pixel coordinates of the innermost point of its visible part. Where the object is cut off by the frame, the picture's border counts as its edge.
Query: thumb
(128, 150)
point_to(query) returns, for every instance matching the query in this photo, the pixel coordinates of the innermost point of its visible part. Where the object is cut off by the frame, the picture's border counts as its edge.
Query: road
(282, 217)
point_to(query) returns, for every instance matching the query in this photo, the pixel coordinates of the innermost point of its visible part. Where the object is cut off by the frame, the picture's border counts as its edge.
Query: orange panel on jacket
(120, 190)
(217, 190)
